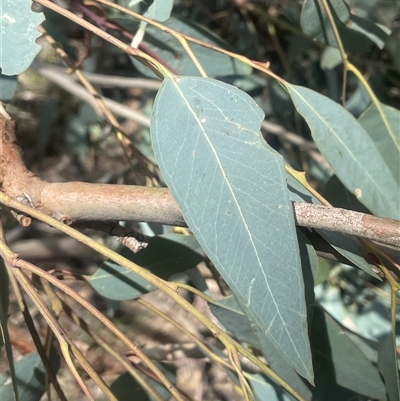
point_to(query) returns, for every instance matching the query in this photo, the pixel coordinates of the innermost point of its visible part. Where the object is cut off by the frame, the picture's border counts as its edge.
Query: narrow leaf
(382, 124)
(338, 360)
(349, 150)
(387, 364)
(232, 190)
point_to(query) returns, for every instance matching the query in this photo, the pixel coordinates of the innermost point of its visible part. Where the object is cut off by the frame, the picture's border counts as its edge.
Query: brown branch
(347, 222)
(76, 202)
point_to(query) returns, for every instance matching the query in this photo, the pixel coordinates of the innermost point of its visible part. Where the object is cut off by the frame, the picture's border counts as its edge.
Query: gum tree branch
(77, 202)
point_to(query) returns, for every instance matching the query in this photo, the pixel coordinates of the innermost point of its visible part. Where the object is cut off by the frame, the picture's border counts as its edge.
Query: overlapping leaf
(357, 34)
(30, 379)
(388, 366)
(164, 256)
(349, 150)
(171, 51)
(232, 190)
(382, 124)
(160, 10)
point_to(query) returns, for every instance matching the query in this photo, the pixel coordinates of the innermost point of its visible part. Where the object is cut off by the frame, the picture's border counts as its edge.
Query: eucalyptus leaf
(348, 148)
(159, 10)
(30, 379)
(19, 31)
(264, 389)
(8, 86)
(164, 256)
(339, 361)
(315, 23)
(376, 33)
(388, 367)
(232, 190)
(382, 123)
(175, 56)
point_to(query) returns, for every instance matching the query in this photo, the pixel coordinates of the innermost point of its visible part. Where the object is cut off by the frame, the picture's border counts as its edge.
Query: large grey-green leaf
(232, 190)
(349, 150)
(18, 35)
(383, 126)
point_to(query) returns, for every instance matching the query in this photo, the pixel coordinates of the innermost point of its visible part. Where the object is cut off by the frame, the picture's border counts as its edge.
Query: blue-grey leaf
(164, 256)
(338, 360)
(232, 190)
(8, 86)
(19, 31)
(228, 311)
(160, 10)
(388, 367)
(349, 150)
(30, 379)
(176, 57)
(383, 126)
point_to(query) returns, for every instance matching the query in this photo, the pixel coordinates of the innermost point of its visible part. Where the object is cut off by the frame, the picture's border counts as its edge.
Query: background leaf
(8, 86)
(383, 129)
(228, 311)
(348, 148)
(126, 388)
(232, 190)
(315, 24)
(30, 379)
(170, 50)
(264, 389)
(18, 35)
(338, 360)
(164, 256)
(387, 364)
(159, 10)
